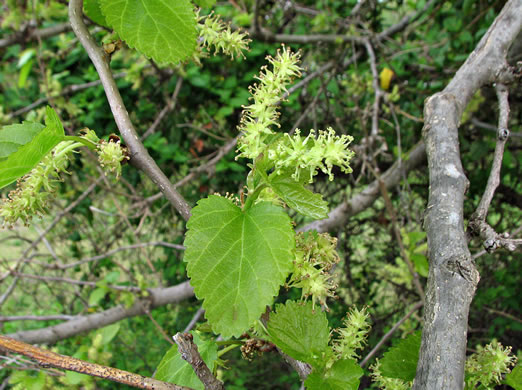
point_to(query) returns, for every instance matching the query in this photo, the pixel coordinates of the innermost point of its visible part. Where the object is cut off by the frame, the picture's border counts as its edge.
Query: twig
(478, 224)
(390, 333)
(50, 359)
(30, 34)
(189, 352)
(376, 88)
(194, 320)
(171, 104)
(139, 155)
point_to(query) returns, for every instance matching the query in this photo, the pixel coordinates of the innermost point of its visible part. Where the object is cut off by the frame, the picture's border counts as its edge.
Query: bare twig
(31, 34)
(139, 155)
(389, 334)
(376, 87)
(478, 224)
(194, 320)
(50, 359)
(189, 352)
(59, 317)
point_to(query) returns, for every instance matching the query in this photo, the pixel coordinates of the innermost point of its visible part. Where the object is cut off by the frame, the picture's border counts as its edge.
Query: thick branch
(50, 359)
(453, 278)
(52, 334)
(139, 155)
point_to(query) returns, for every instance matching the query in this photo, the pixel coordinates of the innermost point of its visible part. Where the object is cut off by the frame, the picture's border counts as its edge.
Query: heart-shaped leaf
(162, 30)
(237, 260)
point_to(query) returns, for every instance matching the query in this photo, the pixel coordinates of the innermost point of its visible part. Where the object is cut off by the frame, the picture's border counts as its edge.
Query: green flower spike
(262, 114)
(111, 155)
(353, 335)
(214, 33)
(488, 364)
(33, 190)
(315, 256)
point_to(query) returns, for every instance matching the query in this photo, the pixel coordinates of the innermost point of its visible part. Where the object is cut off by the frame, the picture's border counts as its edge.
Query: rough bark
(453, 278)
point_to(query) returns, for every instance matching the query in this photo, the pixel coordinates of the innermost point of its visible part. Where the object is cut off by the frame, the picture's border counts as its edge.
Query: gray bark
(453, 277)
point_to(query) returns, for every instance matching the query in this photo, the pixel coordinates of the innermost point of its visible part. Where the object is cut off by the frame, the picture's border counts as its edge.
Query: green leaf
(301, 332)
(343, 375)
(12, 137)
(109, 332)
(162, 30)
(299, 198)
(205, 3)
(237, 260)
(92, 9)
(31, 153)
(174, 369)
(401, 361)
(96, 296)
(514, 378)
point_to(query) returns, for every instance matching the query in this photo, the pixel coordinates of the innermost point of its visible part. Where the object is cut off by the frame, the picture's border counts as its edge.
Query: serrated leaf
(92, 9)
(296, 196)
(237, 260)
(514, 378)
(343, 375)
(301, 332)
(205, 3)
(174, 369)
(401, 361)
(12, 137)
(162, 30)
(31, 153)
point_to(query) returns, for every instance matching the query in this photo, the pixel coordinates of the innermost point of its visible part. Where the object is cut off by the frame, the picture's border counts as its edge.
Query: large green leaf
(237, 260)
(401, 361)
(298, 197)
(174, 369)
(162, 30)
(343, 375)
(31, 153)
(301, 332)
(12, 137)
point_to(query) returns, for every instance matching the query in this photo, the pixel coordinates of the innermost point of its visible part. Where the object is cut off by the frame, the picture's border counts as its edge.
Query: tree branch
(52, 334)
(139, 155)
(189, 352)
(452, 277)
(50, 359)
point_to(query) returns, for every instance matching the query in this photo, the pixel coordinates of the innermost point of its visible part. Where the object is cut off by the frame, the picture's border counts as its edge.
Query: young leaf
(12, 137)
(299, 198)
(401, 360)
(301, 332)
(514, 378)
(162, 30)
(343, 375)
(31, 152)
(174, 369)
(237, 260)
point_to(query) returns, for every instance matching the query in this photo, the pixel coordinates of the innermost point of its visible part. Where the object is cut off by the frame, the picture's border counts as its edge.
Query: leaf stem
(91, 145)
(226, 349)
(253, 196)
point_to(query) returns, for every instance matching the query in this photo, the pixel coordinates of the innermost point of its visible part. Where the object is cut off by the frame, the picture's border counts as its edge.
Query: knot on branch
(503, 134)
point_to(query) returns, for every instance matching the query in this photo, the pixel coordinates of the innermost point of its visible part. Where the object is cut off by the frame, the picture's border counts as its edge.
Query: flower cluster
(111, 155)
(214, 33)
(315, 255)
(488, 364)
(306, 155)
(262, 114)
(387, 383)
(353, 335)
(33, 190)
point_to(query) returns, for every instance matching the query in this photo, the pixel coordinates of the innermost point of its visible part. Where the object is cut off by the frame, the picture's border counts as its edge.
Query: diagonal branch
(50, 359)
(140, 157)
